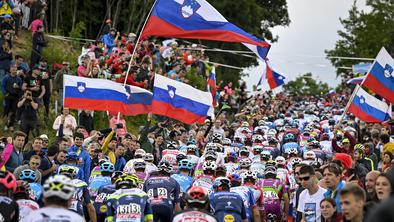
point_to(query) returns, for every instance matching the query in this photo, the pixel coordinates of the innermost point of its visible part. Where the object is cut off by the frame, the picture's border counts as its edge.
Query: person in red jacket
(347, 143)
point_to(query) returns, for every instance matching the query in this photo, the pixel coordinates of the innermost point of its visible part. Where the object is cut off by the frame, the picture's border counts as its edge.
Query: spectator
(34, 84)
(7, 29)
(85, 68)
(121, 129)
(107, 27)
(39, 43)
(388, 147)
(383, 187)
(68, 122)
(82, 153)
(352, 199)
(387, 160)
(33, 164)
(47, 83)
(370, 181)
(16, 157)
(86, 120)
(109, 40)
(328, 210)
(37, 23)
(5, 59)
(332, 176)
(22, 67)
(12, 90)
(120, 161)
(58, 81)
(28, 107)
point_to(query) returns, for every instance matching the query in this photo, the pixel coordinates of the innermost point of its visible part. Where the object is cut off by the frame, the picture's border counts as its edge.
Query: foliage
(364, 33)
(306, 85)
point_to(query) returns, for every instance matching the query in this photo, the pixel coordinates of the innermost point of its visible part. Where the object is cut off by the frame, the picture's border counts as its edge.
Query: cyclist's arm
(89, 205)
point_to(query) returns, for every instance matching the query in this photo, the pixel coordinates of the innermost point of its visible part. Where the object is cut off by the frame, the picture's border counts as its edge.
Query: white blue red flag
(380, 77)
(197, 19)
(212, 86)
(180, 101)
(274, 79)
(368, 108)
(106, 95)
(356, 80)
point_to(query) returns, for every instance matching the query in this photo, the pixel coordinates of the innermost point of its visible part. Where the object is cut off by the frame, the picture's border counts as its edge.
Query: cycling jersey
(81, 196)
(258, 167)
(227, 206)
(129, 167)
(150, 167)
(26, 207)
(9, 210)
(53, 214)
(231, 167)
(95, 173)
(129, 205)
(96, 183)
(100, 202)
(204, 181)
(282, 174)
(184, 181)
(248, 198)
(170, 156)
(194, 215)
(273, 191)
(78, 170)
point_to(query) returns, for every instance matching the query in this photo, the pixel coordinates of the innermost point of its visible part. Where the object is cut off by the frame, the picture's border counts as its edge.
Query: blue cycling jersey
(100, 202)
(247, 195)
(96, 183)
(80, 197)
(162, 190)
(35, 191)
(184, 181)
(227, 206)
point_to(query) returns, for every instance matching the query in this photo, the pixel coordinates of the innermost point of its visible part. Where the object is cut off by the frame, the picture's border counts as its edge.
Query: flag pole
(135, 49)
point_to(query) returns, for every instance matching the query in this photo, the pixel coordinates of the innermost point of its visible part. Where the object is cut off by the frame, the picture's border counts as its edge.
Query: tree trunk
(130, 21)
(57, 14)
(117, 12)
(74, 19)
(141, 22)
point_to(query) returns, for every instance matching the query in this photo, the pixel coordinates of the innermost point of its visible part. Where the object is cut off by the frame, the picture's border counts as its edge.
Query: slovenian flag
(380, 77)
(180, 101)
(212, 86)
(356, 80)
(274, 79)
(106, 95)
(368, 108)
(197, 19)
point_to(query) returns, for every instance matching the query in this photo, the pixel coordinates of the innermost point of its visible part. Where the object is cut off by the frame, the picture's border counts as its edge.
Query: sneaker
(5, 128)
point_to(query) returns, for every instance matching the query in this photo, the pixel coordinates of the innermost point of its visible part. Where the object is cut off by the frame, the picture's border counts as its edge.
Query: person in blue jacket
(109, 40)
(82, 154)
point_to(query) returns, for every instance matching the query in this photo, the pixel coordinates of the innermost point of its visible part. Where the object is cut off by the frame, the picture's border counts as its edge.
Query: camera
(119, 125)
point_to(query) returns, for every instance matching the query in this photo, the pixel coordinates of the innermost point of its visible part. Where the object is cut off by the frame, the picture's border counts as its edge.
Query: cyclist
(163, 192)
(196, 207)
(106, 168)
(29, 176)
(226, 205)
(128, 203)
(183, 178)
(103, 193)
(81, 195)
(58, 191)
(22, 197)
(150, 166)
(9, 210)
(139, 168)
(206, 179)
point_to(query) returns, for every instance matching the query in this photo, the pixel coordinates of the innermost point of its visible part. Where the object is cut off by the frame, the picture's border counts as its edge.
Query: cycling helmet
(238, 139)
(314, 144)
(72, 156)
(221, 182)
(140, 153)
(28, 175)
(139, 165)
(59, 186)
(245, 163)
(196, 194)
(265, 154)
(360, 147)
(70, 171)
(209, 165)
(289, 137)
(180, 157)
(149, 157)
(309, 155)
(295, 161)
(210, 147)
(235, 179)
(22, 188)
(249, 175)
(116, 175)
(185, 164)
(261, 122)
(104, 160)
(7, 179)
(270, 163)
(244, 150)
(257, 138)
(191, 148)
(280, 161)
(221, 170)
(270, 170)
(257, 149)
(164, 166)
(126, 182)
(211, 155)
(107, 167)
(226, 142)
(292, 151)
(217, 138)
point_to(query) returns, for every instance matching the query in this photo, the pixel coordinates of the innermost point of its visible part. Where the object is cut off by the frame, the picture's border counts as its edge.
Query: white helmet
(249, 175)
(246, 162)
(292, 151)
(210, 146)
(59, 186)
(209, 165)
(280, 160)
(310, 155)
(257, 138)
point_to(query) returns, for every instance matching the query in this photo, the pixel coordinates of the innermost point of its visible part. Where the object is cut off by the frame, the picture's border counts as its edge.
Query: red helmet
(22, 187)
(7, 179)
(197, 194)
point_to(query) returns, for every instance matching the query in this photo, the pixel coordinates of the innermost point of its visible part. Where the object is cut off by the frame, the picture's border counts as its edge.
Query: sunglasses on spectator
(304, 178)
(34, 163)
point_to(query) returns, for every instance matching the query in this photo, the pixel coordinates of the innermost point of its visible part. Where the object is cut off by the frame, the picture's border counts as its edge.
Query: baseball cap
(44, 137)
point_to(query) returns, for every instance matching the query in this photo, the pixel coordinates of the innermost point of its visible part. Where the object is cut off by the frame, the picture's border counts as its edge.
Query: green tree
(364, 33)
(306, 85)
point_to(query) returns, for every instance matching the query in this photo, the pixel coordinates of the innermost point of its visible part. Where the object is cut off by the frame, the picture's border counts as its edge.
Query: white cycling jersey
(26, 207)
(52, 214)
